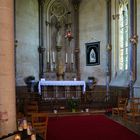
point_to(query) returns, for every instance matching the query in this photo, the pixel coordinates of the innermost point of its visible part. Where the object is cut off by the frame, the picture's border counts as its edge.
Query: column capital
(41, 2)
(76, 4)
(134, 39)
(41, 49)
(108, 0)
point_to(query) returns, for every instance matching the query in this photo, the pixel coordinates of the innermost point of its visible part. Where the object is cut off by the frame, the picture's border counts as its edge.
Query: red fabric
(92, 127)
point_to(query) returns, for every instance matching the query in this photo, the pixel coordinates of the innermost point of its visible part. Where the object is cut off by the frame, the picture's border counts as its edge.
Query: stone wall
(92, 20)
(137, 83)
(27, 57)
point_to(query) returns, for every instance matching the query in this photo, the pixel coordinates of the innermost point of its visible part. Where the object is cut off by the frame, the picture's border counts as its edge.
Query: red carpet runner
(95, 127)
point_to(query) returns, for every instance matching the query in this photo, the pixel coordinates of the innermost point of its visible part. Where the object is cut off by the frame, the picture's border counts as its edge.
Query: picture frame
(92, 53)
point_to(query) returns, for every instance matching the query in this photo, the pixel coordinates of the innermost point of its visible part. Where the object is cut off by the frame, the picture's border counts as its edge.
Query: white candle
(66, 58)
(17, 137)
(53, 57)
(29, 128)
(33, 137)
(72, 58)
(20, 128)
(48, 57)
(25, 124)
(29, 131)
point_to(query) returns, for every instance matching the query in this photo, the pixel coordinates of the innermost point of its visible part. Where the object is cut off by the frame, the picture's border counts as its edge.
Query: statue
(92, 56)
(59, 35)
(59, 39)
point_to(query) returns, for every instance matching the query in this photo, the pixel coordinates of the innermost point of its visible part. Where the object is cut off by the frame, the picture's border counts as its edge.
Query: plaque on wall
(92, 53)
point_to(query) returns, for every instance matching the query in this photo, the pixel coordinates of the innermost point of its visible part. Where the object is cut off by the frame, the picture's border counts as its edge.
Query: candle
(66, 58)
(72, 58)
(25, 124)
(48, 57)
(53, 57)
(55, 111)
(29, 128)
(20, 127)
(17, 137)
(33, 137)
(29, 131)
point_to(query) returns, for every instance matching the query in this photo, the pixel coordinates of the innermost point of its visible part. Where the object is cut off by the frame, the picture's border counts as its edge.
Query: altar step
(77, 113)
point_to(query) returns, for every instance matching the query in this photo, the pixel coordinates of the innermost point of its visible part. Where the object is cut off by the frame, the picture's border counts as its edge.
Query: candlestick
(25, 124)
(33, 137)
(66, 58)
(53, 57)
(72, 58)
(29, 129)
(48, 57)
(17, 137)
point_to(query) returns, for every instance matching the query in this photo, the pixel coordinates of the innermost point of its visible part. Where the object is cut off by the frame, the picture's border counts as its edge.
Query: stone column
(41, 48)
(7, 68)
(76, 4)
(108, 48)
(132, 45)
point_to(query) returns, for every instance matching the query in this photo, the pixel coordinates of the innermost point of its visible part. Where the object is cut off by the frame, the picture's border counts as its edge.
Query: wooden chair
(39, 123)
(132, 114)
(119, 110)
(31, 108)
(19, 115)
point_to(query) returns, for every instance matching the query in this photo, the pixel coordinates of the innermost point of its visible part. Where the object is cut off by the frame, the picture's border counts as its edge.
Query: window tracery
(123, 35)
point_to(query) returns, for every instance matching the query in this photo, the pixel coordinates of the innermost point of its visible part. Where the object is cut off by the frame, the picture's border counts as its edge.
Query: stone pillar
(132, 45)
(76, 4)
(41, 48)
(108, 48)
(7, 68)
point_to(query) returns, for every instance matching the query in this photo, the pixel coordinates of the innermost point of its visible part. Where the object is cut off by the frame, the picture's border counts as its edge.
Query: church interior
(68, 58)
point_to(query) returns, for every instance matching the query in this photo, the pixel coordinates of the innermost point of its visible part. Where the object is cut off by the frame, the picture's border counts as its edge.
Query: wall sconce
(109, 47)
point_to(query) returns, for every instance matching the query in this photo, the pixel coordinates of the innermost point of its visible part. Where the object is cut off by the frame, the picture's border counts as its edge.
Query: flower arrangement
(73, 103)
(29, 79)
(69, 35)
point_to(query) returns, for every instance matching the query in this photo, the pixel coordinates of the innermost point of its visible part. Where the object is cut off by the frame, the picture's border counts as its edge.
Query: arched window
(123, 35)
(120, 41)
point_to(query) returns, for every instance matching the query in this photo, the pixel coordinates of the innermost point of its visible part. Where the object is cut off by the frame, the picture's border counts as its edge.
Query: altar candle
(66, 58)
(29, 128)
(48, 57)
(25, 124)
(72, 58)
(53, 57)
(29, 131)
(20, 127)
(17, 137)
(33, 137)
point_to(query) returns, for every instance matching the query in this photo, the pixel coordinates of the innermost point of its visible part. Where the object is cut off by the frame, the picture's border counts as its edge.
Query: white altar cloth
(61, 83)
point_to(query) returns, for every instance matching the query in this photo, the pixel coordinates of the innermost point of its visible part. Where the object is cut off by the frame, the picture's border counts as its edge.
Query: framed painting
(92, 53)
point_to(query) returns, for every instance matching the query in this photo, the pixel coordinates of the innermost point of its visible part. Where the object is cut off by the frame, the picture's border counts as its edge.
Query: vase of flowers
(72, 104)
(30, 81)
